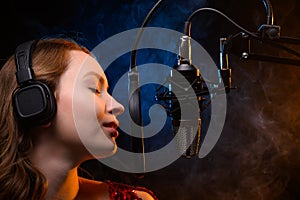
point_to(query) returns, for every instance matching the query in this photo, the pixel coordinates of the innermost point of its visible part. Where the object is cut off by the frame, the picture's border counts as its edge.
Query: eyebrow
(101, 79)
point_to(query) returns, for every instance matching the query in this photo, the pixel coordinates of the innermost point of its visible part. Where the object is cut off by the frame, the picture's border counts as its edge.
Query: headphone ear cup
(34, 103)
(135, 107)
(137, 143)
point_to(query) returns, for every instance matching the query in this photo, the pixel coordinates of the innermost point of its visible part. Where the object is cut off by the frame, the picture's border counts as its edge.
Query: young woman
(39, 158)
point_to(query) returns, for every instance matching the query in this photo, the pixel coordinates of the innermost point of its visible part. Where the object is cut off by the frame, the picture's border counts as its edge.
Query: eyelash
(95, 90)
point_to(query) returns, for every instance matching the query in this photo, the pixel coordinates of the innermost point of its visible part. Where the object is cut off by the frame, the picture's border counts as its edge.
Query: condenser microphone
(185, 81)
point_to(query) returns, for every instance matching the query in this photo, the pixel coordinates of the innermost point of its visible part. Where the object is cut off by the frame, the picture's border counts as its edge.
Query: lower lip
(113, 132)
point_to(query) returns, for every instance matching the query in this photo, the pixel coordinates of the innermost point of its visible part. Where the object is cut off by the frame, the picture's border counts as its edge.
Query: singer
(43, 141)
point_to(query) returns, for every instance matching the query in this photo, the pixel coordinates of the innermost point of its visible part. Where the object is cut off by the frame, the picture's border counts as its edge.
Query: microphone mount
(267, 34)
(252, 45)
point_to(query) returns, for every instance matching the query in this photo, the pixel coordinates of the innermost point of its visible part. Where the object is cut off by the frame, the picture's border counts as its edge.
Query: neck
(59, 166)
(62, 179)
(69, 188)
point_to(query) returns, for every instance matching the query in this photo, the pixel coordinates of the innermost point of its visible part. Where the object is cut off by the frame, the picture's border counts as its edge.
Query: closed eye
(95, 90)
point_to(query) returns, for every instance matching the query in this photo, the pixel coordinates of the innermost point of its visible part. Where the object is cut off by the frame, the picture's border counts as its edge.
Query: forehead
(82, 64)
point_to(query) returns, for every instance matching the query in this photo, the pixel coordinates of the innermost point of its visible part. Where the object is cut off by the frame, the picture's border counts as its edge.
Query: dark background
(257, 155)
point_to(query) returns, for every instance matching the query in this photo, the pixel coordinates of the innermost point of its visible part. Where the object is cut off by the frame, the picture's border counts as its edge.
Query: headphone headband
(23, 60)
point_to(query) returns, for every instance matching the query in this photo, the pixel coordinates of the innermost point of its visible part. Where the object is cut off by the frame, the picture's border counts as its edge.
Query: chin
(104, 153)
(113, 152)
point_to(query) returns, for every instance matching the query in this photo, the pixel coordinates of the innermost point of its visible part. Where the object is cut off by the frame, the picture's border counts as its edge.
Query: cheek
(88, 111)
(79, 115)
(88, 107)
(75, 110)
(99, 106)
(65, 126)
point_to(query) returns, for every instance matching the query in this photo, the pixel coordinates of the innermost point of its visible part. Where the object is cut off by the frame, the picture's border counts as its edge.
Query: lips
(112, 128)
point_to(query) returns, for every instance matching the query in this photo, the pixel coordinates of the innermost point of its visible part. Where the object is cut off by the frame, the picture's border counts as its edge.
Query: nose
(114, 107)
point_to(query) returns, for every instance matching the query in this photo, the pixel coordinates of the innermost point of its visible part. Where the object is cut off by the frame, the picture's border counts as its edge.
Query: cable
(267, 4)
(222, 14)
(269, 17)
(147, 19)
(269, 9)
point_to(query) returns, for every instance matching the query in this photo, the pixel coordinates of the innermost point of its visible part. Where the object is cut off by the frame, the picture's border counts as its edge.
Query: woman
(39, 158)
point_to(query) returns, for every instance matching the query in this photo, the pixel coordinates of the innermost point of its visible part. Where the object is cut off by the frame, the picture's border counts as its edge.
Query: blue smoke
(96, 21)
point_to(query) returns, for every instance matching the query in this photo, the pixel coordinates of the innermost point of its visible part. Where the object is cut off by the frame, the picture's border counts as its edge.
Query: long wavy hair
(19, 179)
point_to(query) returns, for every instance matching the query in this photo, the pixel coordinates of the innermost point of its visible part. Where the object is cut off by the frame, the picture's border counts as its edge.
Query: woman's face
(86, 112)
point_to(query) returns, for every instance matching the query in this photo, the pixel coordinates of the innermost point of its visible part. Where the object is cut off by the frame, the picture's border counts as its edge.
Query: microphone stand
(135, 110)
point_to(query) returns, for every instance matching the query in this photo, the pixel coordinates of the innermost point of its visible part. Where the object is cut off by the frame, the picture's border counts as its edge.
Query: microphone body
(187, 143)
(184, 83)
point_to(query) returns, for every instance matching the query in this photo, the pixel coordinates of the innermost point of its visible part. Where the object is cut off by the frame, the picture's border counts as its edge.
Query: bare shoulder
(92, 189)
(144, 195)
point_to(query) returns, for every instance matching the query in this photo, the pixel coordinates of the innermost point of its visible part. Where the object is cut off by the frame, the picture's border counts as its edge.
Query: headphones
(33, 101)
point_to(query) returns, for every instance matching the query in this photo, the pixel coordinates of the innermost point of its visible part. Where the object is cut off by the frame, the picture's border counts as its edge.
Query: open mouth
(112, 128)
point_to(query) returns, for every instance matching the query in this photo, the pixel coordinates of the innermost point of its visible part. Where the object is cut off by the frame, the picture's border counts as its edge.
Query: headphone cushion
(34, 103)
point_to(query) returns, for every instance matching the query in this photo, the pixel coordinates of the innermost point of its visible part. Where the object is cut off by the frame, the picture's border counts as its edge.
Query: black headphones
(33, 101)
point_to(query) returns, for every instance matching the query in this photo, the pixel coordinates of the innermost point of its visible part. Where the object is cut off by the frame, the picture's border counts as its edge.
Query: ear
(55, 93)
(46, 125)
(40, 128)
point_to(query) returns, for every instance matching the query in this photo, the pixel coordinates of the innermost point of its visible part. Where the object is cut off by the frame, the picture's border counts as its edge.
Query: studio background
(257, 155)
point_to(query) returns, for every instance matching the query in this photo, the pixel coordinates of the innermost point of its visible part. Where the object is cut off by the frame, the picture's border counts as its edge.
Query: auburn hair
(19, 179)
